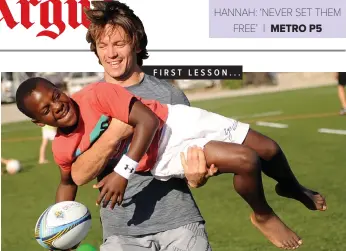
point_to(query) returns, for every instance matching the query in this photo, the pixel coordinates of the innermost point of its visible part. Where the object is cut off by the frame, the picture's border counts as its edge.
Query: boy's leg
(191, 237)
(274, 163)
(276, 166)
(247, 181)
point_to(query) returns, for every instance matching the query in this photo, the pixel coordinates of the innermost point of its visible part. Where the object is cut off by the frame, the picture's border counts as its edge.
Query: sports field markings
(19, 129)
(296, 117)
(332, 131)
(257, 115)
(21, 139)
(271, 124)
(292, 117)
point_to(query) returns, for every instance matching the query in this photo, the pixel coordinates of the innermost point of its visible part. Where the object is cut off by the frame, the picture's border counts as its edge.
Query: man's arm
(195, 167)
(67, 189)
(92, 162)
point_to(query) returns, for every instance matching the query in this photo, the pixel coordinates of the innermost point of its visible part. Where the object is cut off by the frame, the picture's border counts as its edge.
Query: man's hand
(195, 168)
(113, 188)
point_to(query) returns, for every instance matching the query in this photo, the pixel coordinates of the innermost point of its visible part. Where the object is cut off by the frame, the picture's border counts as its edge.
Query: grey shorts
(191, 237)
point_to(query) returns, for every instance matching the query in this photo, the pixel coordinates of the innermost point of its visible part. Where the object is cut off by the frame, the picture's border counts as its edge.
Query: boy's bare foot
(43, 161)
(276, 231)
(311, 199)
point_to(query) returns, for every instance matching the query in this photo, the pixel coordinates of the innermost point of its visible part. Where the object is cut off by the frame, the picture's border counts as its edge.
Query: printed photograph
(257, 159)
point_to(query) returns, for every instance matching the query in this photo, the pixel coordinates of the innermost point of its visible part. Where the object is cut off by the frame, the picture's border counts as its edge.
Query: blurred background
(298, 110)
(252, 83)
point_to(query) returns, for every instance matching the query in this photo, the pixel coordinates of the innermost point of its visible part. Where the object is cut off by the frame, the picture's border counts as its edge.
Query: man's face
(116, 53)
(50, 106)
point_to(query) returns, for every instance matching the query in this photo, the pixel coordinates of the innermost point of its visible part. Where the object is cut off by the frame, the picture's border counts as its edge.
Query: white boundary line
(269, 124)
(332, 131)
(256, 115)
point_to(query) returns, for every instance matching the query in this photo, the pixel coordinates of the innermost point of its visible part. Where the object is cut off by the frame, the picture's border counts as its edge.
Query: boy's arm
(145, 123)
(92, 162)
(67, 189)
(116, 102)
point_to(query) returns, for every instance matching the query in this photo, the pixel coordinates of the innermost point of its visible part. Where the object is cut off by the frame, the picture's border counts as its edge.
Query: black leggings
(342, 78)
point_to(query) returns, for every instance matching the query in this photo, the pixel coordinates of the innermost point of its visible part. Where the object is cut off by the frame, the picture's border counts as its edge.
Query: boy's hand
(113, 188)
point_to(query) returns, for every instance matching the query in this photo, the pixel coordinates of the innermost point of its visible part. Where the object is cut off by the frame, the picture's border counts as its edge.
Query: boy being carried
(161, 133)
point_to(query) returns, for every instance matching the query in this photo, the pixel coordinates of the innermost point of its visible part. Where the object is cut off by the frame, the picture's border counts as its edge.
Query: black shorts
(342, 78)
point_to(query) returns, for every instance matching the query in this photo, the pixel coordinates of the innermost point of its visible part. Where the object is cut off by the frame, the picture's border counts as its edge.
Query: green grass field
(317, 159)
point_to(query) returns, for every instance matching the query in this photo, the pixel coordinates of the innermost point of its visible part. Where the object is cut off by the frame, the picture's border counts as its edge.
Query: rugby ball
(13, 166)
(63, 225)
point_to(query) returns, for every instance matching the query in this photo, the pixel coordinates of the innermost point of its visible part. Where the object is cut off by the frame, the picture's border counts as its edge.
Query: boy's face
(117, 55)
(50, 106)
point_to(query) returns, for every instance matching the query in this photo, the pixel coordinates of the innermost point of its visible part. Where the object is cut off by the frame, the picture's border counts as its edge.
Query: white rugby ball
(13, 166)
(63, 225)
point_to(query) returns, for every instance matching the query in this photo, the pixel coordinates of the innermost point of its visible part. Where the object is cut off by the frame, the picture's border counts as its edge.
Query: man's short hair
(117, 14)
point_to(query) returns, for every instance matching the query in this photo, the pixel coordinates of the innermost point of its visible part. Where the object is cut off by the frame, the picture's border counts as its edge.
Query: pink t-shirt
(98, 104)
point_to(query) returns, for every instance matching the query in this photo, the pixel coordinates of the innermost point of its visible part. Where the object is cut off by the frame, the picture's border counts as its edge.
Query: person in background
(273, 76)
(3, 162)
(341, 77)
(48, 134)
